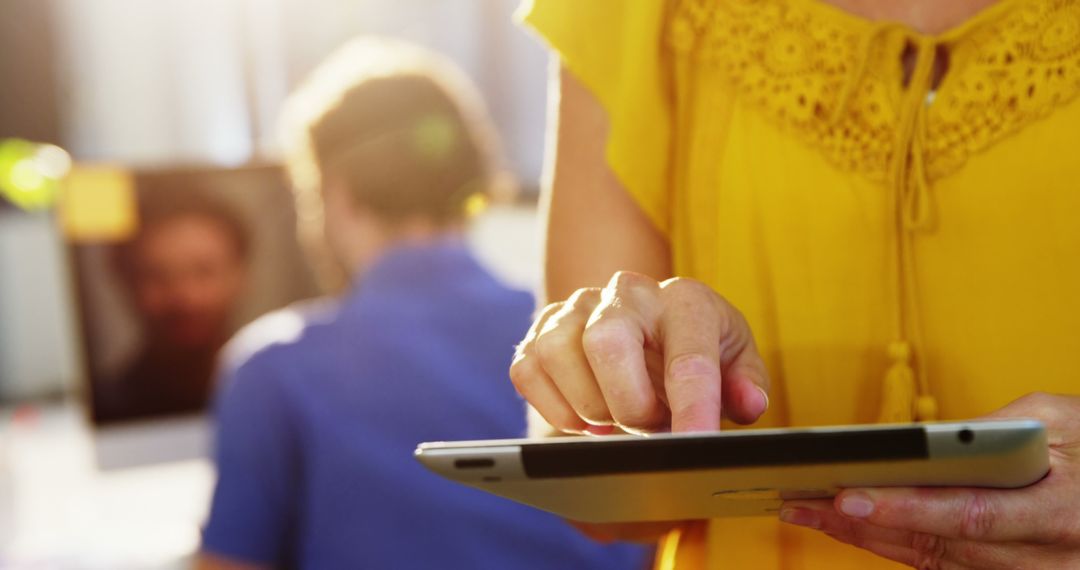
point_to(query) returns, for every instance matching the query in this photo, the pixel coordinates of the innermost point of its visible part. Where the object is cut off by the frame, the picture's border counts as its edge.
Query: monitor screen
(180, 261)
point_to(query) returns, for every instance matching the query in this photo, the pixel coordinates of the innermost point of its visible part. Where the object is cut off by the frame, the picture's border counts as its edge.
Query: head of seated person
(386, 143)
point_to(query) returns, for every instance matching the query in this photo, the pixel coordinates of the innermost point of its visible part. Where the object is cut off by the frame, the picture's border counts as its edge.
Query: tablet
(739, 472)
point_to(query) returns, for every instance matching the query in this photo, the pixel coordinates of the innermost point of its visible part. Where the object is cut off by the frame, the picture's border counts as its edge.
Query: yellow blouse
(901, 251)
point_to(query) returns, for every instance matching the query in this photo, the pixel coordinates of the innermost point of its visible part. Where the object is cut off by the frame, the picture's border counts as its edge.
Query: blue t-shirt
(321, 409)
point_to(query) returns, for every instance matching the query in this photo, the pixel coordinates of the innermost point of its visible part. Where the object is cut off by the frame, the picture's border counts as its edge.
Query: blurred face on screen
(189, 274)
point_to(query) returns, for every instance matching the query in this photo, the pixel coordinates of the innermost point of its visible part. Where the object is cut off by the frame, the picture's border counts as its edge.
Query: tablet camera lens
(965, 436)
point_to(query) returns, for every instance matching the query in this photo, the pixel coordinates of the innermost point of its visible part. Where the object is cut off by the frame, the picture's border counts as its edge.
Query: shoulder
(278, 333)
(506, 309)
(520, 303)
(598, 15)
(594, 38)
(496, 291)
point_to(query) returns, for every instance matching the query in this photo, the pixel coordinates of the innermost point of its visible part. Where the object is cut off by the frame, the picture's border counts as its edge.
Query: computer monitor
(166, 272)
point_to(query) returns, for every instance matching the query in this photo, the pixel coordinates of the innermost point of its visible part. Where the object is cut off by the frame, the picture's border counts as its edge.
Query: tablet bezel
(678, 476)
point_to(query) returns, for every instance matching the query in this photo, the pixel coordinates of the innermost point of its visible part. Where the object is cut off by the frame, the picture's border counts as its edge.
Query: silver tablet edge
(1023, 438)
(505, 463)
(1022, 441)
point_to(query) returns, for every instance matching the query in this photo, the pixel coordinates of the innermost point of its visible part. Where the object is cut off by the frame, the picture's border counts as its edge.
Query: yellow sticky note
(98, 203)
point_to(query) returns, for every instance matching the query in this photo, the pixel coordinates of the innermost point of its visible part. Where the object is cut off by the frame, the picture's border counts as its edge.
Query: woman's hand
(643, 356)
(1033, 527)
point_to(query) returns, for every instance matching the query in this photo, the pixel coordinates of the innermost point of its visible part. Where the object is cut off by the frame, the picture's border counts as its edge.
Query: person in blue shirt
(321, 406)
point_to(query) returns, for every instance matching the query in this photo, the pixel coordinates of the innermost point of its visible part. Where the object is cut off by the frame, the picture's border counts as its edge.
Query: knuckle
(608, 336)
(683, 286)
(1049, 408)
(541, 316)
(1038, 397)
(550, 308)
(525, 370)
(684, 292)
(1039, 402)
(930, 550)
(978, 517)
(691, 365)
(555, 343)
(733, 314)
(631, 280)
(521, 374)
(587, 296)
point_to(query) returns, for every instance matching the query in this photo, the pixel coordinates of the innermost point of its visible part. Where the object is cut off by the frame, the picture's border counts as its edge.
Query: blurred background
(103, 103)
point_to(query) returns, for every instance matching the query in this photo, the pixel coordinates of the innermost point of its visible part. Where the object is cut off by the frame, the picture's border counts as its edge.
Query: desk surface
(58, 510)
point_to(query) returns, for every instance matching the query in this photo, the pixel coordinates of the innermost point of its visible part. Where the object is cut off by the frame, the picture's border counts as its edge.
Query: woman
(882, 192)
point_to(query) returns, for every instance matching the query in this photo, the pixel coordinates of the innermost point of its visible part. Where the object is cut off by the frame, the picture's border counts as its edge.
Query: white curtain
(168, 81)
(153, 81)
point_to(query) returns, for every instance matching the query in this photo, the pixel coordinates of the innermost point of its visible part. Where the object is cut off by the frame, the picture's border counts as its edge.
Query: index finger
(704, 340)
(690, 333)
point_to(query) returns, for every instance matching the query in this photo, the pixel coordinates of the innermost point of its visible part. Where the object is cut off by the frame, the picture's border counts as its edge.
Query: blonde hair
(402, 126)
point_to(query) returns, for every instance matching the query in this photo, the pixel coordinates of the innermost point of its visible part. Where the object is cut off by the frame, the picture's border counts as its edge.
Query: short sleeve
(616, 49)
(254, 505)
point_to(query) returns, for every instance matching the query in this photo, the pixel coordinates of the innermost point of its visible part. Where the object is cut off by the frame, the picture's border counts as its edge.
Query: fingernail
(858, 506)
(764, 399)
(599, 430)
(800, 517)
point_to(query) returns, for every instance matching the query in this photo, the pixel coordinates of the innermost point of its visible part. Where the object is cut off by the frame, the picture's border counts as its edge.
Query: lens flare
(30, 173)
(52, 161)
(476, 204)
(435, 138)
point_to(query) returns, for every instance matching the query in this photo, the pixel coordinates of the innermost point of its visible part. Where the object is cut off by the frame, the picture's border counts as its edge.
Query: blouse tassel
(898, 391)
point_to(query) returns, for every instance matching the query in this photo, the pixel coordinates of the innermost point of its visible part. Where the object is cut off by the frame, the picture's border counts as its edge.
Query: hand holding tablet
(1037, 526)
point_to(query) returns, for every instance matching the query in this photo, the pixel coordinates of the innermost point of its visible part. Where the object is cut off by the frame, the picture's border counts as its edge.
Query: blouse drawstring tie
(905, 394)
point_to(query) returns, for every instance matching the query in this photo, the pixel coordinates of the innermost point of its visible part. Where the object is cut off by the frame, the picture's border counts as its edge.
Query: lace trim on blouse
(837, 83)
